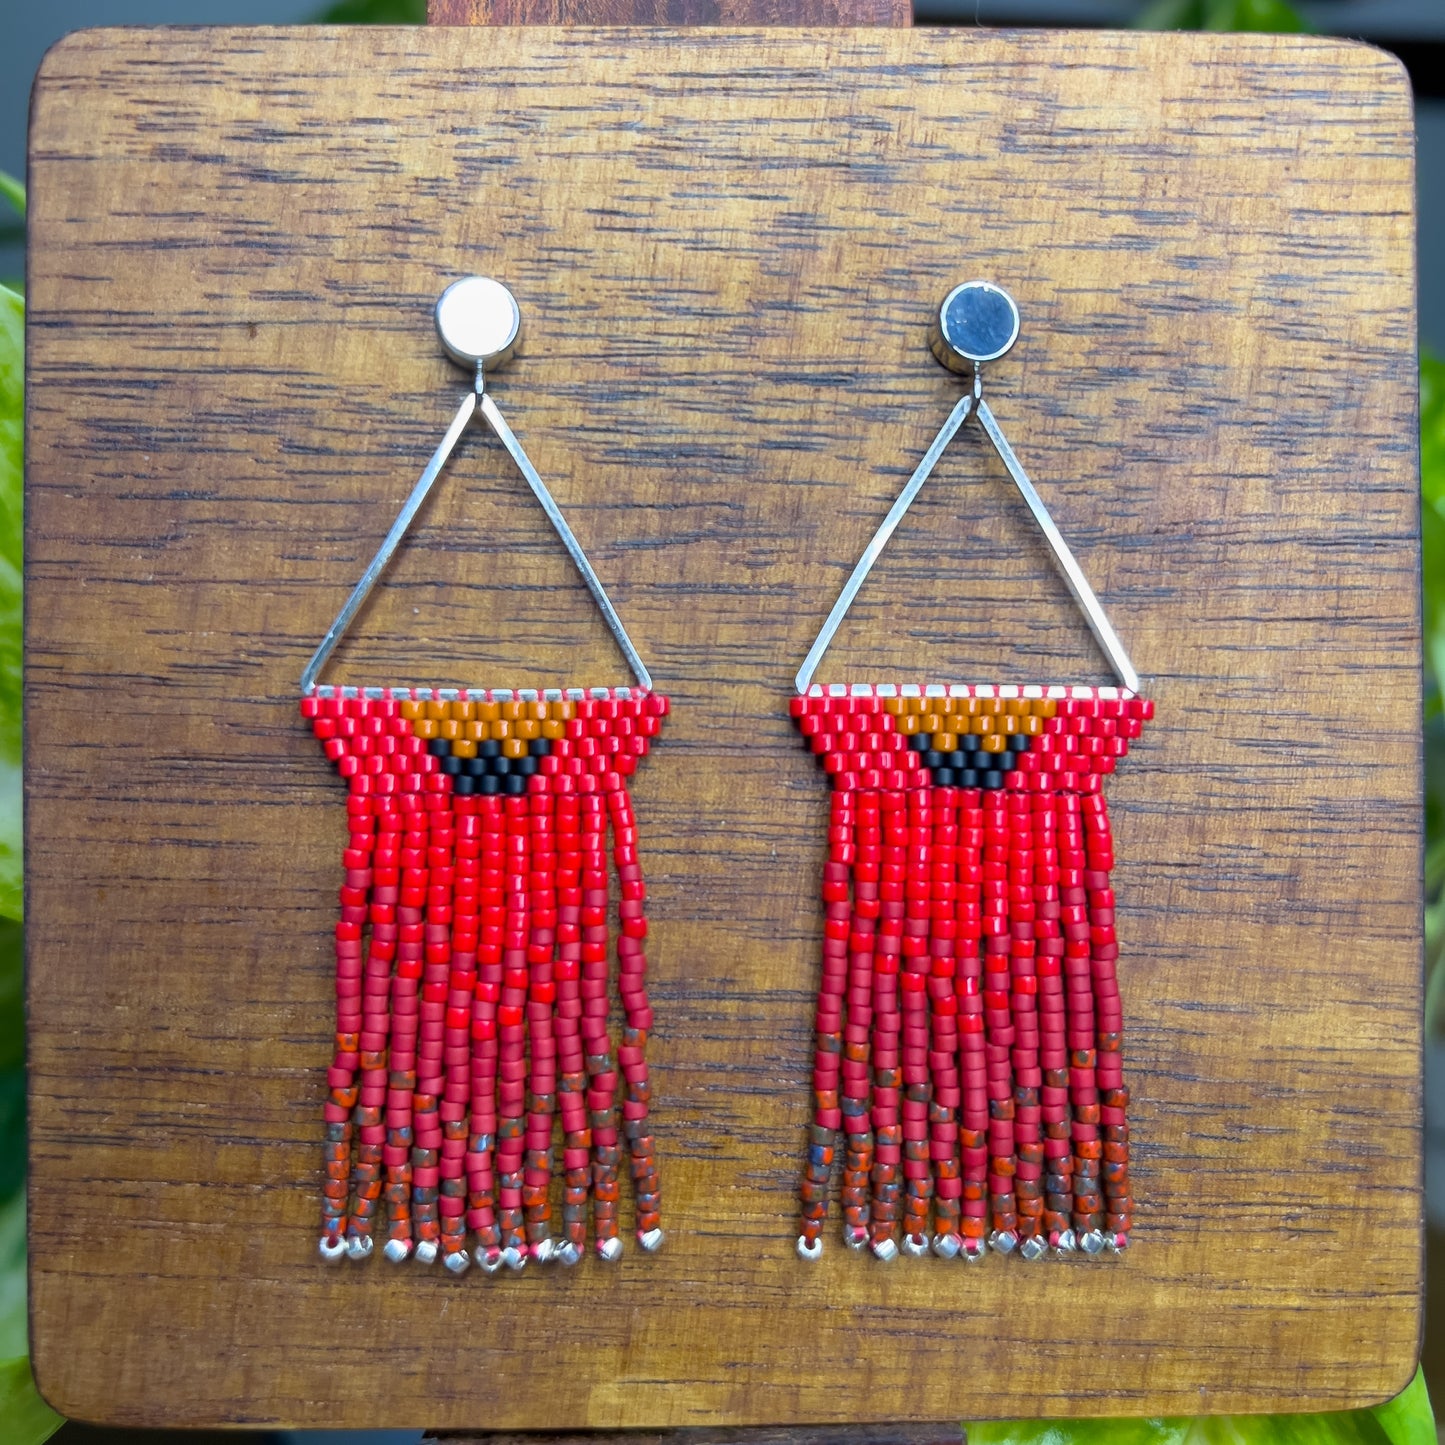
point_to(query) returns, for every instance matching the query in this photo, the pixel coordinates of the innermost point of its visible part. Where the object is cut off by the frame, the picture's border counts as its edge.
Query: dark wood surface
(940, 1434)
(670, 12)
(726, 248)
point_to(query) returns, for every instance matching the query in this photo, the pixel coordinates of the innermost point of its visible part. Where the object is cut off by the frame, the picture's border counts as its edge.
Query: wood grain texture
(916, 1434)
(670, 12)
(726, 247)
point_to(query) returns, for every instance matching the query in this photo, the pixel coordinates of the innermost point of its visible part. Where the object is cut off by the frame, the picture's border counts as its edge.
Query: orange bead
(474, 731)
(462, 711)
(994, 743)
(893, 705)
(511, 711)
(932, 722)
(500, 729)
(410, 708)
(908, 724)
(436, 710)
(488, 711)
(464, 748)
(425, 727)
(450, 729)
(1045, 706)
(528, 727)
(554, 728)
(514, 748)
(945, 742)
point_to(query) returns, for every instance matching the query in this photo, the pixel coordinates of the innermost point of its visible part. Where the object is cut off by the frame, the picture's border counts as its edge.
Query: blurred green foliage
(1405, 1420)
(374, 12)
(1273, 16)
(25, 1419)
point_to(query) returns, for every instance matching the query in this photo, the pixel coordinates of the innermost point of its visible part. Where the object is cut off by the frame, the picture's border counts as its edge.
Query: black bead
(501, 766)
(524, 766)
(540, 747)
(439, 748)
(1019, 742)
(491, 748)
(967, 777)
(464, 785)
(932, 759)
(514, 783)
(920, 742)
(489, 784)
(450, 765)
(944, 778)
(475, 767)
(993, 779)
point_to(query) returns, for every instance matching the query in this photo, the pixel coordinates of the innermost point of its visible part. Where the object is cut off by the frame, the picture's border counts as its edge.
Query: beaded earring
(472, 950)
(969, 1027)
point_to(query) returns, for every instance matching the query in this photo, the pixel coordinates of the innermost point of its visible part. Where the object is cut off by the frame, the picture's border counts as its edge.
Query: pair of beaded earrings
(969, 1028)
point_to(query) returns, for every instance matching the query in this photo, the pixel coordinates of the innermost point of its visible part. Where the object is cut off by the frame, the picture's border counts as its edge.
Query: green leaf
(12, 383)
(24, 1417)
(1405, 1420)
(13, 191)
(374, 12)
(1275, 17)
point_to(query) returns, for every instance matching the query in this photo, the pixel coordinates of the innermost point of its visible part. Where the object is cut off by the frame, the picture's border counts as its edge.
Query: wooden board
(726, 247)
(670, 12)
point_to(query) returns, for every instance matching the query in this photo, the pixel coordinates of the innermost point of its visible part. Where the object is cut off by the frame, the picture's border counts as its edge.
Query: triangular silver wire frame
(476, 401)
(1064, 559)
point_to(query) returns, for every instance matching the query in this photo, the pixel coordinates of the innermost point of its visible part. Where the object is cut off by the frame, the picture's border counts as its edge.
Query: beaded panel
(969, 1028)
(472, 971)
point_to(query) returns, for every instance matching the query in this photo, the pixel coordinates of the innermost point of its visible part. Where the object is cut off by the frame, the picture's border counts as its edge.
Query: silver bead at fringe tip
(397, 1251)
(610, 1249)
(333, 1251)
(807, 1251)
(1111, 1243)
(1034, 1247)
(1092, 1242)
(915, 1248)
(1003, 1240)
(567, 1254)
(1067, 1244)
(426, 1251)
(885, 1249)
(651, 1240)
(946, 1246)
(489, 1261)
(973, 1250)
(359, 1246)
(459, 1261)
(514, 1258)
(855, 1238)
(544, 1251)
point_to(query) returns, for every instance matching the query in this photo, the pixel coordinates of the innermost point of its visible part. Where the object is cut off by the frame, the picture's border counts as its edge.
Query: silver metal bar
(465, 412)
(1068, 567)
(509, 440)
(946, 434)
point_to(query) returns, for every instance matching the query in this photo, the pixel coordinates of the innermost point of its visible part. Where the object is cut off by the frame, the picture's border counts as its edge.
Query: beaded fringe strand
(969, 1028)
(472, 969)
